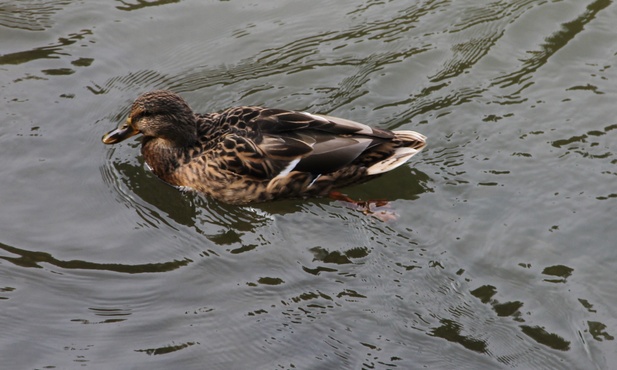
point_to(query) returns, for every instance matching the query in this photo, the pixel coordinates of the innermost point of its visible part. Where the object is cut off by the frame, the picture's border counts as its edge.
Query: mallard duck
(255, 154)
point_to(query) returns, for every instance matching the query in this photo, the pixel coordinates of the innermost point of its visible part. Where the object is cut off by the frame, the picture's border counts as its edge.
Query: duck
(251, 154)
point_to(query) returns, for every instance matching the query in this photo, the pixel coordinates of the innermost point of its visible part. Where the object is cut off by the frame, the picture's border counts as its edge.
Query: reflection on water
(141, 4)
(184, 208)
(301, 55)
(166, 349)
(541, 336)
(560, 272)
(30, 15)
(451, 331)
(553, 43)
(337, 257)
(594, 148)
(513, 309)
(54, 51)
(196, 211)
(29, 258)
(112, 315)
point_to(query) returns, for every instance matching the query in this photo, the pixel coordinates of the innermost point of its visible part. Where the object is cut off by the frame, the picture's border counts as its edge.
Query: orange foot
(379, 208)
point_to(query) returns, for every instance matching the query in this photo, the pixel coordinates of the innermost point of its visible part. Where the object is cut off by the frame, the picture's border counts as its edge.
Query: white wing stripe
(289, 168)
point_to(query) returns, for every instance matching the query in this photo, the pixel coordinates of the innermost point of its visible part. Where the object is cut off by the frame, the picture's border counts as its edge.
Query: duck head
(158, 114)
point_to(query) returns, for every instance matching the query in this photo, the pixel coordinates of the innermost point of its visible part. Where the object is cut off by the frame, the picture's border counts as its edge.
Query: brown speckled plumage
(255, 154)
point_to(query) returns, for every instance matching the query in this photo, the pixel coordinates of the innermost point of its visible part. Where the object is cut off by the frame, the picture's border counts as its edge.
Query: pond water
(502, 252)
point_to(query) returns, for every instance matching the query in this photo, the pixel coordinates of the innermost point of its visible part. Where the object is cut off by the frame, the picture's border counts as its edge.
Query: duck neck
(163, 157)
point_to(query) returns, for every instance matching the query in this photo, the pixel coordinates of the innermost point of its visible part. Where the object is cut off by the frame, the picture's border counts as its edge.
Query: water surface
(502, 253)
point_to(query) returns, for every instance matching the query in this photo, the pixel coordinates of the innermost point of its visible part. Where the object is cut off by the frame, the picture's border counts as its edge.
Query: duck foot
(379, 208)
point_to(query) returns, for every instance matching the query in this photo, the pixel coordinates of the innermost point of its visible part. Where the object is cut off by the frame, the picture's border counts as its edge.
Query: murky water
(503, 251)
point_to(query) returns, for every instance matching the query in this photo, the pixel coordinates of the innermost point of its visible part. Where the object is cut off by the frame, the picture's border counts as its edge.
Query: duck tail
(408, 144)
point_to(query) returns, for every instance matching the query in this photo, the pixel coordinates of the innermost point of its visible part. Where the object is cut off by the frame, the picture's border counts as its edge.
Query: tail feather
(411, 137)
(411, 143)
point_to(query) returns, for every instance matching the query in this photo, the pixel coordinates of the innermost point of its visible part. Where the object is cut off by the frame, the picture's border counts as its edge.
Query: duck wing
(272, 157)
(334, 142)
(278, 121)
(281, 141)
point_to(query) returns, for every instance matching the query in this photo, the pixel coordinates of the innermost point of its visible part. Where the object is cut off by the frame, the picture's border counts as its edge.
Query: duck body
(255, 154)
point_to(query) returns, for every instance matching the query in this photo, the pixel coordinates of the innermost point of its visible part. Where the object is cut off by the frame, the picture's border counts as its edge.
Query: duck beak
(123, 132)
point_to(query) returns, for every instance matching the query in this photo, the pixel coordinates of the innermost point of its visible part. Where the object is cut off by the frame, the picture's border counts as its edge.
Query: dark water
(503, 253)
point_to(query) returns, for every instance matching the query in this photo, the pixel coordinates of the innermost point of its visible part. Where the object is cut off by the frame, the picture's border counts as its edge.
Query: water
(502, 252)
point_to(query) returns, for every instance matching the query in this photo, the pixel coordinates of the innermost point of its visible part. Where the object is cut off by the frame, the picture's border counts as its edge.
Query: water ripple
(34, 259)
(553, 43)
(54, 51)
(30, 15)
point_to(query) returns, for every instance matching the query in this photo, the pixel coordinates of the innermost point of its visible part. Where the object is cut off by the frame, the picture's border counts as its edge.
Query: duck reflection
(203, 214)
(181, 207)
(159, 203)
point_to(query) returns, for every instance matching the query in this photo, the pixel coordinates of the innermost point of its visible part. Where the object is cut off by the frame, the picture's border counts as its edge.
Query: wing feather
(278, 120)
(323, 144)
(285, 141)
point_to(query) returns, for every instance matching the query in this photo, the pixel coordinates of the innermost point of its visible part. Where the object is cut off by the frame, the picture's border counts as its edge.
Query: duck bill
(122, 133)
